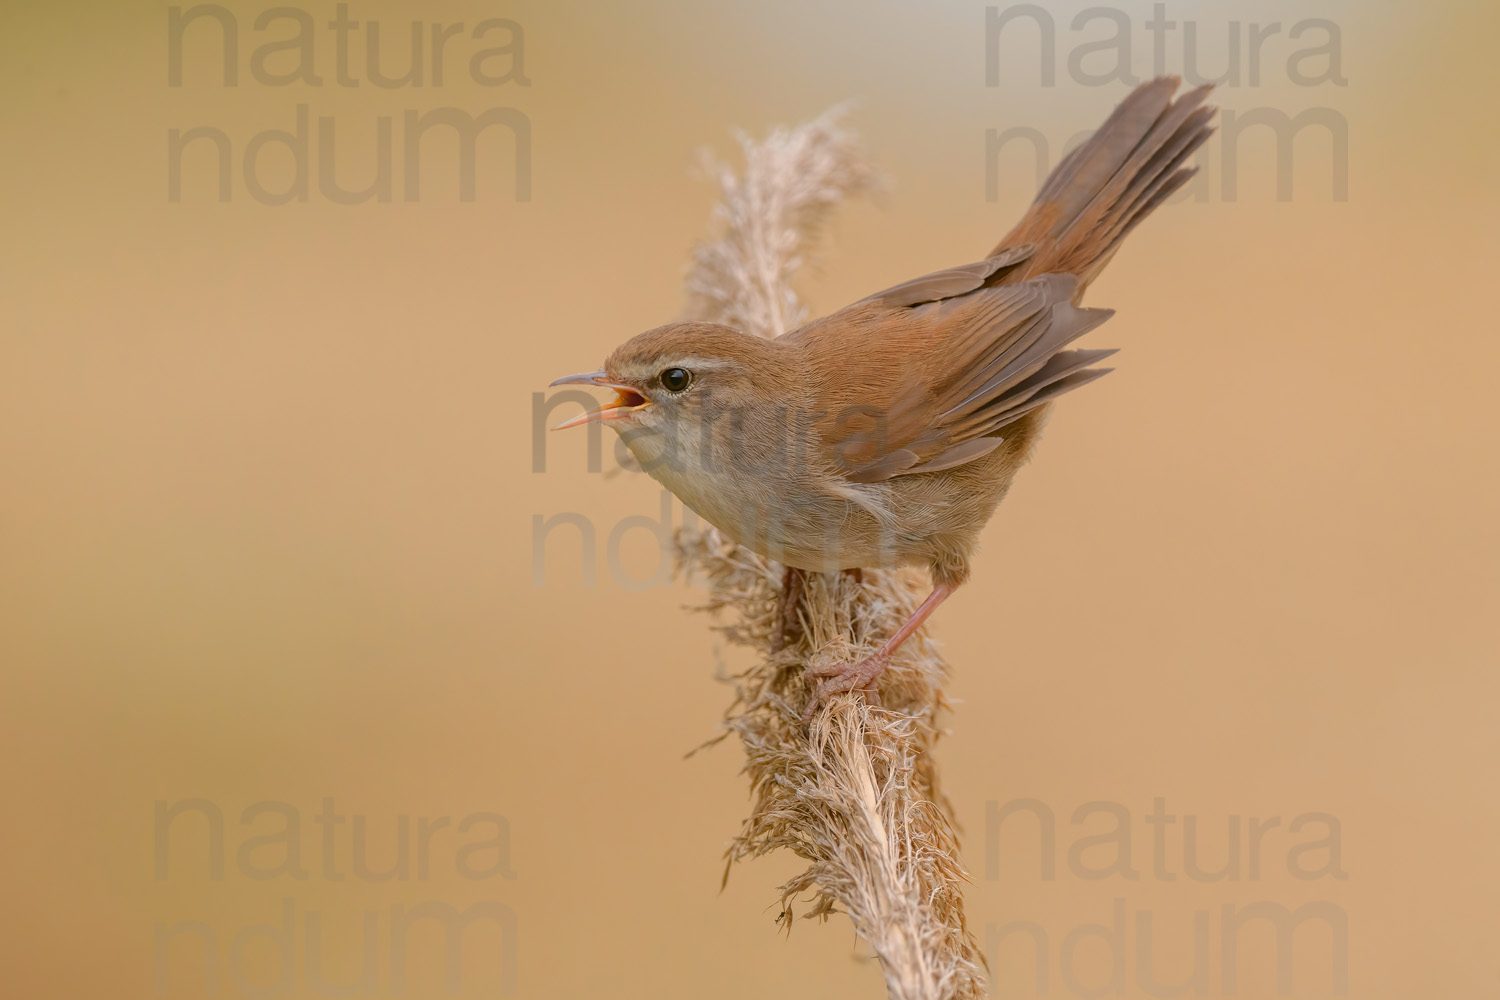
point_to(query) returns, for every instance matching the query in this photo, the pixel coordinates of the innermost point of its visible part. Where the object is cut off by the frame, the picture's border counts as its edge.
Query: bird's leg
(864, 674)
(793, 583)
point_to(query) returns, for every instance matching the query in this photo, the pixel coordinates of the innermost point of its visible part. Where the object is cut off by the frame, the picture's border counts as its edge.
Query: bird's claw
(841, 677)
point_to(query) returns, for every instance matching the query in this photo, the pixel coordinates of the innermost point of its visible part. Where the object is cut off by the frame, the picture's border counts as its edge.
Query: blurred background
(287, 664)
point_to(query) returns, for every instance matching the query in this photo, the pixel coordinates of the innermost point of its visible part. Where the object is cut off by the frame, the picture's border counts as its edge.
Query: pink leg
(793, 584)
(864, 674)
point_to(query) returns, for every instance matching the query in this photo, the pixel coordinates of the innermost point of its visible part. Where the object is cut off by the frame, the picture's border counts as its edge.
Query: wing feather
(951, 282)
(928, 383)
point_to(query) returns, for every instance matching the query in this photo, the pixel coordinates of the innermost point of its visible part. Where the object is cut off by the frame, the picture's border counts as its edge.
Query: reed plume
(856, 795)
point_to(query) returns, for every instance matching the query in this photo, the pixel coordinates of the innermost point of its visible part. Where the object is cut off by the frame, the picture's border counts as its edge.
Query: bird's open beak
(629, 401)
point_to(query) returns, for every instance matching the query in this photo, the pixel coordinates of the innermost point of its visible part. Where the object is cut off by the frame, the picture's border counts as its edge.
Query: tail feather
(1118, 176)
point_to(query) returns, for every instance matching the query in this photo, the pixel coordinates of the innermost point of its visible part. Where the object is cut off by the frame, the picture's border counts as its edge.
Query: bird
(887, 433)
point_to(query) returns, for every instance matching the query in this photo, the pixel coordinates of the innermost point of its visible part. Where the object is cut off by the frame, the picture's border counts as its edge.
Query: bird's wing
(952, 282)
(927, 381)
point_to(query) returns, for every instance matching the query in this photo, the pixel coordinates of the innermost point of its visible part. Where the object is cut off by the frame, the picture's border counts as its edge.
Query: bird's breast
(775, 499)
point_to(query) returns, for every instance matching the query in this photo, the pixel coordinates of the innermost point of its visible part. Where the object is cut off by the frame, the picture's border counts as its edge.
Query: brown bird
(887, 433)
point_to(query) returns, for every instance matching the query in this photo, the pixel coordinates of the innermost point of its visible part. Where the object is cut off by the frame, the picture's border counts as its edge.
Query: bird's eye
(676, 379)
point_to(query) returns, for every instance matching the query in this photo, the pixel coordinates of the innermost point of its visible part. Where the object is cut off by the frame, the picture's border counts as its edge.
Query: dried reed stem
(858, 795)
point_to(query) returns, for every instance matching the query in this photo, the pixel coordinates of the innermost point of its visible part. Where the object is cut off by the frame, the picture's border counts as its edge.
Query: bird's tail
(1105, 187)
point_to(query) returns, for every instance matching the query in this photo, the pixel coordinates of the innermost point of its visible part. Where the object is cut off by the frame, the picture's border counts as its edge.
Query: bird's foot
(859, 676)
(787, 627)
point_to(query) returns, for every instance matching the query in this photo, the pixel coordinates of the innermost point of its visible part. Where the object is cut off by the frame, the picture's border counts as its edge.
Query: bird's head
(673, 378)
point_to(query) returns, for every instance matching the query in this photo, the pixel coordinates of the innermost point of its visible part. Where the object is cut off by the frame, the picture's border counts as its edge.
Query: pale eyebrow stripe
(704, 363)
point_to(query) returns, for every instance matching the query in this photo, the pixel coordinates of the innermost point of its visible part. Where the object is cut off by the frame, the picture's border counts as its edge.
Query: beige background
(267, 524)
